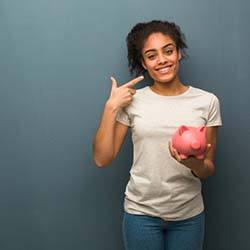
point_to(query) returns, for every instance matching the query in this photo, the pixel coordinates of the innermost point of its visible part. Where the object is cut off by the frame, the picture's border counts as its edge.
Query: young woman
(163, 203)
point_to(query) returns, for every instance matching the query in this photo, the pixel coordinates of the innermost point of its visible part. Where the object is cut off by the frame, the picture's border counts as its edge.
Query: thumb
(114, 83)
(208, 147)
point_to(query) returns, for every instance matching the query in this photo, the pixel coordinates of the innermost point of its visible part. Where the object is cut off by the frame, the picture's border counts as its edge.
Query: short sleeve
(214, 114)
(123, 117)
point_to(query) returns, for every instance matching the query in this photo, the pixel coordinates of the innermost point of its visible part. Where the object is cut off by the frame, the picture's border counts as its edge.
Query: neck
(173, 87)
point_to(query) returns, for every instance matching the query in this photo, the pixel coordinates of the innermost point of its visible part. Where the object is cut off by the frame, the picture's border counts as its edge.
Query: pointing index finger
(133, 82)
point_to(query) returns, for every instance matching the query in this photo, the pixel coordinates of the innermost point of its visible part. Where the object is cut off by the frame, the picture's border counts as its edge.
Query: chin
(164, 79)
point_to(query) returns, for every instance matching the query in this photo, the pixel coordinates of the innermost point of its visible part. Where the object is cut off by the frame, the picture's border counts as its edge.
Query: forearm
(103, 143)
(204, 169)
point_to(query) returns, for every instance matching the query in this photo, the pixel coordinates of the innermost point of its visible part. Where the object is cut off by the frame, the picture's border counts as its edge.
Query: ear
(179, 55)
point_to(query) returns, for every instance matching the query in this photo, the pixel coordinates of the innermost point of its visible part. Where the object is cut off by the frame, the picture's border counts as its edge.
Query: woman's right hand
(122, 96)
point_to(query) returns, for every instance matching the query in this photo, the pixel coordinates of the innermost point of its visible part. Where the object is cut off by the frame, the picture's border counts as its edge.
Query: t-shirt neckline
(151, 92)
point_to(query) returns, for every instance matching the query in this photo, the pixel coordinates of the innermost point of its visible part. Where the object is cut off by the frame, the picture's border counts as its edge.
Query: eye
(168, 51)
(151, 57)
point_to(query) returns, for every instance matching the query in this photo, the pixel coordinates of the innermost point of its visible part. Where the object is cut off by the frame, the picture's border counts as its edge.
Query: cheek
(150, 64)
(177, 65)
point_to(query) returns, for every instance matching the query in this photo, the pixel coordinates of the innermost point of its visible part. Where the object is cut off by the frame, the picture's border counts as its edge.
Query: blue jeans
(143, 232)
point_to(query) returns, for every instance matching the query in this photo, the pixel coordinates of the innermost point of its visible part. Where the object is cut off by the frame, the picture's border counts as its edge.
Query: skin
(159, 51)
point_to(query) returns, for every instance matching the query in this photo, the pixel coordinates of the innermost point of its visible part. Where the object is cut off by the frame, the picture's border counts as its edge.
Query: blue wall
(56, 58)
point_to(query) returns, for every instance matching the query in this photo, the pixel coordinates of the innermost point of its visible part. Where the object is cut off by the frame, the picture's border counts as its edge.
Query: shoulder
(202, 92)
(205, 94)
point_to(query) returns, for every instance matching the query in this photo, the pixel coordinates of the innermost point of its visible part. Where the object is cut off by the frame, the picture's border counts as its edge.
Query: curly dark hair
(141, 31)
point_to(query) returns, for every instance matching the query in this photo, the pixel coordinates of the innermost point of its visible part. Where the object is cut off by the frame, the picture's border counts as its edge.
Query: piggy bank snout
(195, 145)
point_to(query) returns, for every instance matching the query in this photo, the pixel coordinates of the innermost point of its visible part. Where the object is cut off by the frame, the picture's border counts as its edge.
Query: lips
(165, 69)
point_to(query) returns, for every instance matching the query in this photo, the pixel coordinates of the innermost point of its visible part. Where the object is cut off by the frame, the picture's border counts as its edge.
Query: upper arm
(119, 136)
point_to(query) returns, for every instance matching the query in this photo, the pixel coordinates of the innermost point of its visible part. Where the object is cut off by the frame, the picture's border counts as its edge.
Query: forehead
(157, 41)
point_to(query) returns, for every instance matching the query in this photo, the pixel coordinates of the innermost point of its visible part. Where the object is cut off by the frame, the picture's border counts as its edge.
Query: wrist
(110, 105)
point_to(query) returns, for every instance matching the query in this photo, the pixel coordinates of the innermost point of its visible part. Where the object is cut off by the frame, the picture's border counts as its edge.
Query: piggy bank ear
(182, 129)
(202, 128)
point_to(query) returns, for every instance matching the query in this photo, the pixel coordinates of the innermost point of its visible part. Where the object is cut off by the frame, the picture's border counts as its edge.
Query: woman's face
(160, 57)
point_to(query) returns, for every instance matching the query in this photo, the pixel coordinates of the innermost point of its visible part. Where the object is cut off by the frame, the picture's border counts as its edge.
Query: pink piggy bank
(190, 141)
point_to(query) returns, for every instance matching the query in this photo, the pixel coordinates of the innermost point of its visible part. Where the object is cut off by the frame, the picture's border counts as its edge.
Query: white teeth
(164, 70)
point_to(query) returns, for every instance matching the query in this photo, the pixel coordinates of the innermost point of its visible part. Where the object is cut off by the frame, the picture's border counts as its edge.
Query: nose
(161, 58)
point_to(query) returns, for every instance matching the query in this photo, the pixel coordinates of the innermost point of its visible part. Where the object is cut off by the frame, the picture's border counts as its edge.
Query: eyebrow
(155, 49)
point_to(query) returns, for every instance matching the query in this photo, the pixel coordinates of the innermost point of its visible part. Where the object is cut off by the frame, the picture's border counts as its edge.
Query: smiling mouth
(164, 69)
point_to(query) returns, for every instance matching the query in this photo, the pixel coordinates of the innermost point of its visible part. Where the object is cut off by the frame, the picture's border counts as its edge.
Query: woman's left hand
(191, 162)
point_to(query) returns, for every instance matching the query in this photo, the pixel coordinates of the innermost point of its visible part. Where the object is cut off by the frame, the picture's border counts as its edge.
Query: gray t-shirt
(159, 185)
